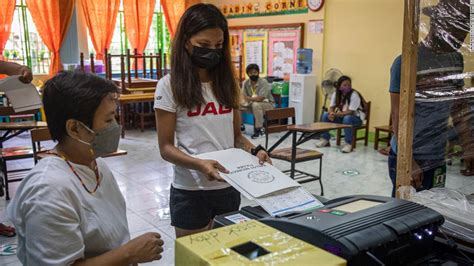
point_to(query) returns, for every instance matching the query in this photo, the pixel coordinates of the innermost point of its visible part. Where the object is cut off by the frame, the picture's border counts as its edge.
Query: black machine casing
(395, 232)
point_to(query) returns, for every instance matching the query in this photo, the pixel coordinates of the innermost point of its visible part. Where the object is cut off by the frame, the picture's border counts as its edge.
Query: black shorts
(195, 209)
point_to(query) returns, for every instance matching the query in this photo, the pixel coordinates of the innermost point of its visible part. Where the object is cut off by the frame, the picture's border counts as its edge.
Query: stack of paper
(269, 187)
(23, 97)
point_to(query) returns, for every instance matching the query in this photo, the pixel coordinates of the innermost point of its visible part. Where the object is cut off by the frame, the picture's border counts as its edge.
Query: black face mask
(205, 57)
(253, 77)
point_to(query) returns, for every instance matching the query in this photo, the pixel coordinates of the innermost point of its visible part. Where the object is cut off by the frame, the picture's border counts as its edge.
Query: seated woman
(345, 108)
(69, 209)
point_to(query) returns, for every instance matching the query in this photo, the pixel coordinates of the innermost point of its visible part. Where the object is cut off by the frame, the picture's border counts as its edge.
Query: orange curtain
(7, 8)
(52, 18)
(173, 10)
(100, 18)
(138, 17)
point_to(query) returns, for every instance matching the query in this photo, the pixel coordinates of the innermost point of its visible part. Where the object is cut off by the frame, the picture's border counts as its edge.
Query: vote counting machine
(363, 230)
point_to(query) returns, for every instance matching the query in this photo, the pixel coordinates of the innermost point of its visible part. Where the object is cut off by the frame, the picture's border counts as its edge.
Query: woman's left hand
(263, 157)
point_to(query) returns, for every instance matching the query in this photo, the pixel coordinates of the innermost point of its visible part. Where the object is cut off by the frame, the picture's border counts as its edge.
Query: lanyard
(254, 89)
(96, 172)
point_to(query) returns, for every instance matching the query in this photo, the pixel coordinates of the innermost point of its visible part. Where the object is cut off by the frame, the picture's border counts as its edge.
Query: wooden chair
(364, 126)
(92, 63)
(386, 139)
(144, 115)
(37, 136)
(277, 98)
(129, 82)
(275, 123)
(11, 154)
(14, 153)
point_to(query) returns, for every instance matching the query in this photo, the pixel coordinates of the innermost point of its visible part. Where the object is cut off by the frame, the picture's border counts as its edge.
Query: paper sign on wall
(316, 26)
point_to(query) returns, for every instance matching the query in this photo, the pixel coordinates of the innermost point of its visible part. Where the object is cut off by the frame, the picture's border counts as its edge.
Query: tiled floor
(144, 179)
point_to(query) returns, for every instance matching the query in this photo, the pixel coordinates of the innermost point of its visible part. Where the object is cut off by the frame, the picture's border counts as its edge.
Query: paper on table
(23, 97)
(289, 200)
(247, 175)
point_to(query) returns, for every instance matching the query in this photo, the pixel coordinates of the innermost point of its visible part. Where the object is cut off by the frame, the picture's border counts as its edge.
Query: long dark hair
(185, 81)
(340, 98)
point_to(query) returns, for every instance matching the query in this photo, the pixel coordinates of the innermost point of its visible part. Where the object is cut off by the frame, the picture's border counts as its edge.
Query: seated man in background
(257, 96)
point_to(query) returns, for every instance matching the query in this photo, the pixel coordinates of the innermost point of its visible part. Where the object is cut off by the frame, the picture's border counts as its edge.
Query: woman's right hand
(211, 169)
(331, 116)
(145, 248)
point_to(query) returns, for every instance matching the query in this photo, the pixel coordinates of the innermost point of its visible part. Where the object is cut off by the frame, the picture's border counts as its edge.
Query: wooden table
(17, 128)
(308, 132)
(136, 84)
(131, 98)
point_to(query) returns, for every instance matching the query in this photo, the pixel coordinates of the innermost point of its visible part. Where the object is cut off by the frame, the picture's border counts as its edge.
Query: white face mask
(105, 141)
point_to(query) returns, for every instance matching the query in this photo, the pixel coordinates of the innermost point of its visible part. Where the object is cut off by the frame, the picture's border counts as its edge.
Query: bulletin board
(272, 47)
(282, 52)
(255, 49)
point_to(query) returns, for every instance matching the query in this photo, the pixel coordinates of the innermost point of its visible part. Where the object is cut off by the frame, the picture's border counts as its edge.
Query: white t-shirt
(59, 222)
(355, 104)
(202, 129)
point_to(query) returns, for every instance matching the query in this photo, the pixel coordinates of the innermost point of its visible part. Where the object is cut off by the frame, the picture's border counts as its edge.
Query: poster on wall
(282, 50)
(316, 26)
(255, 50)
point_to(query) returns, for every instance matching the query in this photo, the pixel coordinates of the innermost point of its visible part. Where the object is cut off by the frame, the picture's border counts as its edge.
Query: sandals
(469, 171)
(8, 249)
(7, 231)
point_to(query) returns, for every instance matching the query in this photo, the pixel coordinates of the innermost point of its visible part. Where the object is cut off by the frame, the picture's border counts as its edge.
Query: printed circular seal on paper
(261, 177)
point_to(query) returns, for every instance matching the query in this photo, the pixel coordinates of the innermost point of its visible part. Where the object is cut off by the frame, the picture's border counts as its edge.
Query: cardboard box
(249, 243)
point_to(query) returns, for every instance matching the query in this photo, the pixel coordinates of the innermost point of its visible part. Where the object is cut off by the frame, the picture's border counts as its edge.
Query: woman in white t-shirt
(69, 208)
(345, 108)
(198, 105)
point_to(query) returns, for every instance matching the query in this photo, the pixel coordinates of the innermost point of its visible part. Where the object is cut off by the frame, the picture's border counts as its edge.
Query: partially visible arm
(114, 257)
(355, 105)
(145, 248)
(240, 141)
(344, 113)
(394, 111)
(51, 222)
(243, 143)
(245, 95)
(268, 92)
(166, 126)
(11, 69)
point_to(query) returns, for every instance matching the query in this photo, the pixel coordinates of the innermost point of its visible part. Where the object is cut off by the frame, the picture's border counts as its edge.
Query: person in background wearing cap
(11, 69)
(257, 96)
(438, 57)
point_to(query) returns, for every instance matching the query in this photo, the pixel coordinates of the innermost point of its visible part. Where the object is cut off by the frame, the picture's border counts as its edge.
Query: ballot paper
(246, 172)
(292, 200)
(269, 187)
(23, 97)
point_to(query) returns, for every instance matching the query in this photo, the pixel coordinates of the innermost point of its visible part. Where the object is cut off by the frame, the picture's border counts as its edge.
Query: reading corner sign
(264, 8)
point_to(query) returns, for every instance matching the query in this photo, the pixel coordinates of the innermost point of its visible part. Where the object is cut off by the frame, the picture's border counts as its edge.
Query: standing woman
(198, 104)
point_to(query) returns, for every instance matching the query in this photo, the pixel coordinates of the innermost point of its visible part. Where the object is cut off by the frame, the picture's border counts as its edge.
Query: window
(25, 45)
(159, 37)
